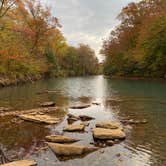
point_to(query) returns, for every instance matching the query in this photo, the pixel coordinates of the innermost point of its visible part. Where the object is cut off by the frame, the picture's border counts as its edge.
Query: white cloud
(87, 21)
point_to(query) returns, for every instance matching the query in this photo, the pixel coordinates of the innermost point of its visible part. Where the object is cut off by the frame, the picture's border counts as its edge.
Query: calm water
(145, 144)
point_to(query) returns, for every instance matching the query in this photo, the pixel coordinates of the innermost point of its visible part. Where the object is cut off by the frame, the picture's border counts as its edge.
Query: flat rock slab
(48, 104)
(108, 134)
(108, 125)
(40, 118)
(21, 163)
(70, 150)
(71, 128)
(80, 106)
(60, 139)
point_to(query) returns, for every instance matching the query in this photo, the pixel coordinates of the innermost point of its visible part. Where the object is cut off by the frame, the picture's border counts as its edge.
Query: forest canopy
(137, 46)
(32, 44)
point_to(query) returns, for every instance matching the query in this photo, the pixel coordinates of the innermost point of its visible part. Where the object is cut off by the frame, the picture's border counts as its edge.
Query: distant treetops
(32, 44)
(137, 47)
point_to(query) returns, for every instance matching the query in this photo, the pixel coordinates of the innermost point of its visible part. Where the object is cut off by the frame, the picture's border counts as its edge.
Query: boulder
(70, 150)
(108, 134)
(40, 118)
(71, 128)
(85, 118)
(80, 106)
(108, 125)
(60, 139)
(48, 104)
(21, 163)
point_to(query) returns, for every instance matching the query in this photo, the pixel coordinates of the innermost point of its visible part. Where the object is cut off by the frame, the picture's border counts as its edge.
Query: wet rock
(48, 104)
(21, 163)
(60, 139)
(70, 150)
(40, 118)
(84, 123)
(108, 125)
(80, 106)
(72, 118)
(85, 118)
(107, 134)
(71, 128)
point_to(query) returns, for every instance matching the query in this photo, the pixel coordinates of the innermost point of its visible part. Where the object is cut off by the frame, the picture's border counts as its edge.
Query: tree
(135, 47)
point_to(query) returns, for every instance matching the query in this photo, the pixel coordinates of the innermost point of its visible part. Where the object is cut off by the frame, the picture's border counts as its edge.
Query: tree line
(32, 44)
(137, 46)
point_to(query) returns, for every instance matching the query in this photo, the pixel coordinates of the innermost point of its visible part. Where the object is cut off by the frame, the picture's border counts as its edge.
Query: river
(145, 144)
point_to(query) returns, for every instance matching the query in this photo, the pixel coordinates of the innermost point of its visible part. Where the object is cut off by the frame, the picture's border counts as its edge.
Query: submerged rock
(70, 150)
(60, 139)
(48, 104)
(108, 125)
(80, 106)
(107, 134)
(21, 163)
(132, 121)
(85, 118)
(71, 128)
(40, 118)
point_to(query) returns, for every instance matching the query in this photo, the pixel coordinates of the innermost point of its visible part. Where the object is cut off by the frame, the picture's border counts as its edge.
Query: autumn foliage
(137, 47)
(32, 44)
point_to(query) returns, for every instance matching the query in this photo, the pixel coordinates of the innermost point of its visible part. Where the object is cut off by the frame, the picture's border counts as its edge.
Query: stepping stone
(60, 139)
(70, 150)
(108, 125)
(71, 128)
(40, 118)
(108, 134)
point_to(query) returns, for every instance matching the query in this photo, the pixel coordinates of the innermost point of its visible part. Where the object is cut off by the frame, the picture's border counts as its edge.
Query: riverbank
(9, 81)
(135, 78)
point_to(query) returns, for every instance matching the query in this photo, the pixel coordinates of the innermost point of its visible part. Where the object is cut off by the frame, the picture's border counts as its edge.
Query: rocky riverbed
(68, 143)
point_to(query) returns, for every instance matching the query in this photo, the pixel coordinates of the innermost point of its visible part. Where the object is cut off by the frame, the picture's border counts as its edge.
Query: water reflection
(145, 144)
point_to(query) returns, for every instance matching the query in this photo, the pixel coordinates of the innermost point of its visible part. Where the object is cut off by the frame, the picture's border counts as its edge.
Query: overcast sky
(87, 21)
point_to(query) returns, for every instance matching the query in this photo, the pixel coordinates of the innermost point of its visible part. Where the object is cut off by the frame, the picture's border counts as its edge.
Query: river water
(145, 144)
